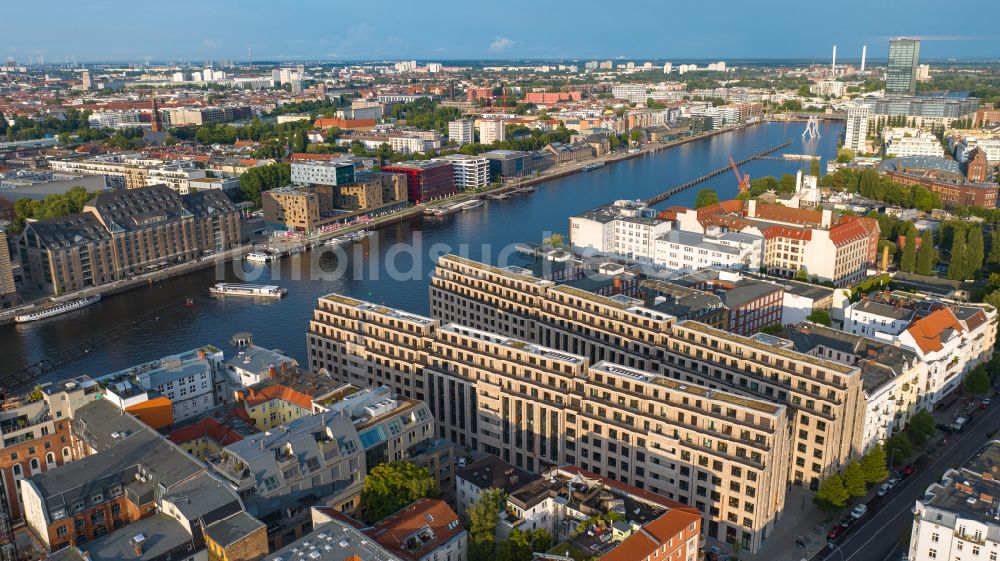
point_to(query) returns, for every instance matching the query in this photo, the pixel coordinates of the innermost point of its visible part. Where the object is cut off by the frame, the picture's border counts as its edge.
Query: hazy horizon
(193, 30)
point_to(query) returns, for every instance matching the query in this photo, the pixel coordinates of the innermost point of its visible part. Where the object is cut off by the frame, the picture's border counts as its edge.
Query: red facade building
(426, 180)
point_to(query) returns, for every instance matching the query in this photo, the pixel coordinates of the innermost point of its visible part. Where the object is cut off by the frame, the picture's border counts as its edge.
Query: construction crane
(743, 180)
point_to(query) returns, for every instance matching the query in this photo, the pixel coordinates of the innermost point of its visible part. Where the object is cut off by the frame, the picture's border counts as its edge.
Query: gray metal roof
(233, 528)
(160, 535)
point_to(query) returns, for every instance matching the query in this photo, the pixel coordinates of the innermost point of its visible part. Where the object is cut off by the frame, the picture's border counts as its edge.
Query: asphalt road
(878, 535)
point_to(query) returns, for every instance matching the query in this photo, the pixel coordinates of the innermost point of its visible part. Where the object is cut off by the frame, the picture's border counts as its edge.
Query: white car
(859, 511)
(884, 489)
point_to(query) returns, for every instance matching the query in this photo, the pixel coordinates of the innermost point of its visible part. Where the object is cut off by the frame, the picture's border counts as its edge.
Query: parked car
(884, 489)
(892, 482)
(943, 427)
(836, 532)
(987, 402)
(909, 470)
(859, 511)
(959, 423)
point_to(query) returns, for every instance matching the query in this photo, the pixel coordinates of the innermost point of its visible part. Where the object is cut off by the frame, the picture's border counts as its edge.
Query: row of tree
(871, 185)
(52, 206)
(918, 260)
(483, 515)
(256, 180)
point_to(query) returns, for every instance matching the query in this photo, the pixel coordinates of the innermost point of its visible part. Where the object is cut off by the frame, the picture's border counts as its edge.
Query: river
(366, 273)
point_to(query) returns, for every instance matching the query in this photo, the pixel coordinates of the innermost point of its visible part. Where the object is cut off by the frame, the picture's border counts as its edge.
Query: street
(877, 537)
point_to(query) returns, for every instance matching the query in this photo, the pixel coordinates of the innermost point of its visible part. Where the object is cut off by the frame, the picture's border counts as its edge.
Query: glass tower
(901, 75)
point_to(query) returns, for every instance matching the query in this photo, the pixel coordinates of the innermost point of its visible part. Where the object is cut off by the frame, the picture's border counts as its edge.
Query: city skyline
(93, 33)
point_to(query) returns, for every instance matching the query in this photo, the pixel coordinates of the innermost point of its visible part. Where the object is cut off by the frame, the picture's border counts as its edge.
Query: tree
(706, 197)
(831, 495)
(555, 240)
(541, 540)
(899, 448)
(483, 515)
(977, 381)
(802, 274)
(873, 465)
(974, 253)
(956, 266)
(854, 480)
(925, 255)
(921, 427)
(821, 317)
(635, 136)
(908, 262)
(256, 180)
(814, 168)
(517, 547)
(994, 258)
(389, 487)
(36, 394)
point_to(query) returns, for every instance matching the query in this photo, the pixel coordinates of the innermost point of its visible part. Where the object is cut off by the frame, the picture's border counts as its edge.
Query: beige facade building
(826, 397)
(125, 233)
(307, 207)
(537, 407)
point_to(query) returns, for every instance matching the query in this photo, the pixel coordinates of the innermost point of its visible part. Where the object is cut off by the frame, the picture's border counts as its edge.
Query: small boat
(336, 241)
(251, 290)
(358, 236)
(474, 203)
(57, 309)
(258, 257)
(593, 166)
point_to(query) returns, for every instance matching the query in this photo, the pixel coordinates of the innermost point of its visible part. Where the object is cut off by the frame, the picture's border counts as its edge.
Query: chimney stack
(864, 52)
(833, 67)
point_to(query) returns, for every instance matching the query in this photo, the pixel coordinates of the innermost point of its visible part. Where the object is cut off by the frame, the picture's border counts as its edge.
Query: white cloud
(501, 44)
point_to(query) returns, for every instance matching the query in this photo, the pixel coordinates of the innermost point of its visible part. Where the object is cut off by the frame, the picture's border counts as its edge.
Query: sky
(197, 30)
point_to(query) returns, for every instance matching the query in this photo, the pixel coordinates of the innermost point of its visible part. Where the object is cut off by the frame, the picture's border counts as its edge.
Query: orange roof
(927, 331)
(656, 534)
(643, 494)
(781, 213)
(853, 228)
(299, 156)
(277, 391)
(210, 427)
(324, 123)
(772, 232)
(392, 532)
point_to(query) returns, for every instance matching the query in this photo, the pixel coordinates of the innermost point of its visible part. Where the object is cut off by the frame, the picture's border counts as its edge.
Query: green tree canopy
(873, 465)
(957, 266)
(977, 381)
(256, 180)
(908, 262)
(706, 197)
(994, 257)
(898, 447)
(974, 253)
(389, 487)
(921, 427)
(832, 495)
(821, 317)
(854, 480)
(517, 547)
(483, 515)
(926, 255)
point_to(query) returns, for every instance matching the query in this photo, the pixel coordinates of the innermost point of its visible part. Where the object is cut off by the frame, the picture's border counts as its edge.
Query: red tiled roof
(853, 228)
(642, 544)
(209, 427)
(393, 532)
(300, 156)
(772, 232)
(278, 391)
(789, 215)
(927, 331)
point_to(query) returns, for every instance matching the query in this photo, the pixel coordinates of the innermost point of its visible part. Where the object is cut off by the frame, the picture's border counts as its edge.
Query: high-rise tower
(901, 74)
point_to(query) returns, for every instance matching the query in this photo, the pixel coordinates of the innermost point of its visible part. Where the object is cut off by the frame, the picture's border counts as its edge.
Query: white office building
(856, 131)
(685, 252)
(635, 93)
(470, 172)
(462, 131)
(905, 141)
(491, 131)
(624, 228)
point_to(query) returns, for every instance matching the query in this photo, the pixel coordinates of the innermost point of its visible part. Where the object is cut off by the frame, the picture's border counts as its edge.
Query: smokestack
(864, 52)
(833, 67)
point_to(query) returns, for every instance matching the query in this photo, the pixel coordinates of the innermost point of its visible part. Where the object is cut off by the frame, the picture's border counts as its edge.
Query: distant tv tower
(250, 58)
(864, 52)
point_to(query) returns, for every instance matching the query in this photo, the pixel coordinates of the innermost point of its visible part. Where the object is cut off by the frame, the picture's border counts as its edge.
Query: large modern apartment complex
(126, 233)
(538, 407)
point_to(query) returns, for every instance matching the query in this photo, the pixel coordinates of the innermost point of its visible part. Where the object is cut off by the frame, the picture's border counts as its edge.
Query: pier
(756, 156)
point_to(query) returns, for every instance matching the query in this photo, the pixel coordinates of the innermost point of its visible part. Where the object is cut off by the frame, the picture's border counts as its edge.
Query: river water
(392, 267)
